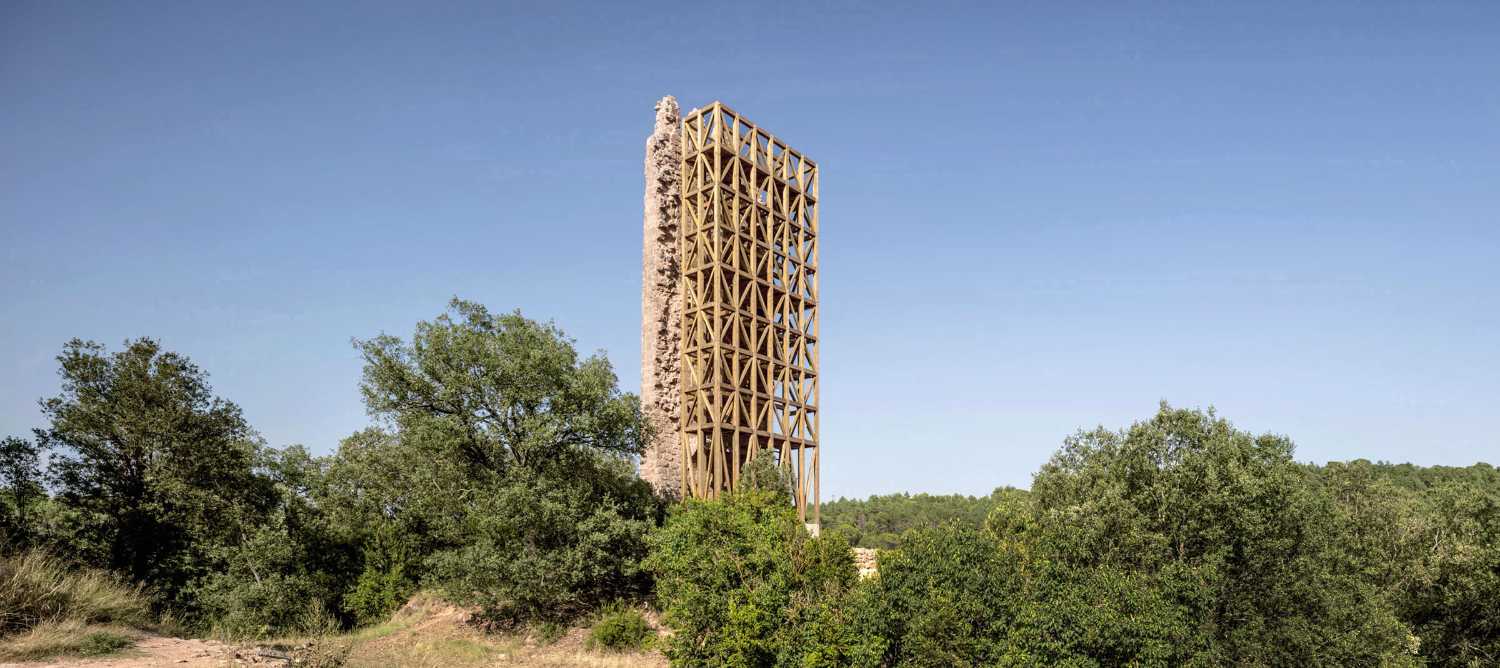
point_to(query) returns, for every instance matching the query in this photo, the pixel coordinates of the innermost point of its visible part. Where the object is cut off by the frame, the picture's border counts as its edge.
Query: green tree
(879, 521)
(946, 597)
(156, 469)
(289, 568)
(1455, 603)
(389, 497)
(506, 462)
(547, 548)
(20, 492)
(498, 391)
(1227, 526)
(742, 583)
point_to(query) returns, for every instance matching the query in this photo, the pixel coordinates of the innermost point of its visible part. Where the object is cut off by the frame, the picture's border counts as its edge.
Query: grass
(65, 638)
(48, 609)
(36, 587)
(100, 643)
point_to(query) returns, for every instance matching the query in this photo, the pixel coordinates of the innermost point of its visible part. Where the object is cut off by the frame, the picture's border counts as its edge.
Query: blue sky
(1037, 217)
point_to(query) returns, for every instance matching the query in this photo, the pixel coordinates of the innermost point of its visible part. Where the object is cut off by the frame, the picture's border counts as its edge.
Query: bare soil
(156, 651)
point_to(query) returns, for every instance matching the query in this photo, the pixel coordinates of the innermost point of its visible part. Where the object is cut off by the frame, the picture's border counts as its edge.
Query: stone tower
(729, 307)
(661, 302)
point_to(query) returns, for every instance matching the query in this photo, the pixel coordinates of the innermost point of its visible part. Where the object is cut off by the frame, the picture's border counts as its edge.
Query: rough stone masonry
(661, 302)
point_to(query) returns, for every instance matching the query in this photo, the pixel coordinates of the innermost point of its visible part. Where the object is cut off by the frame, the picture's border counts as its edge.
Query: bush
(100, 643)
(378, 593)
(741, 583)
(620, 629)
(259, 609)
(36, 587)
(269, 584)
(544, 548)
(945, 598)
(1096, 616)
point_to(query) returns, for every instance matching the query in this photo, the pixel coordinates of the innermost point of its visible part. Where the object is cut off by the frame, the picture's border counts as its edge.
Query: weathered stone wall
(661, 301)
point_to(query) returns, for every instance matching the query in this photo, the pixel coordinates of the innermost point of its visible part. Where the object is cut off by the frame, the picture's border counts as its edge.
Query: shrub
(741, 583)
(620, 628)
(545, 548)
(1096, 616)
(945, 598)
(100, 643)
(378, 593)
(269, 584)
(36, 587)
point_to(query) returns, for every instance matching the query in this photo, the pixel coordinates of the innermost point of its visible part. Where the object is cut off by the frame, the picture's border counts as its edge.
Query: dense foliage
(499, 473)
(506, 468)
(880, 521)
(743, 584)
(1178, 541)
(154, 469)
(1227, 529)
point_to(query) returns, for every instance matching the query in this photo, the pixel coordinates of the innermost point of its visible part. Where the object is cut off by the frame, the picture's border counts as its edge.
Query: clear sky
(1036, 217)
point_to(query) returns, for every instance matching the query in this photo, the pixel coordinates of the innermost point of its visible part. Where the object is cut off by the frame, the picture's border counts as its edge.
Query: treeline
(500, 473)
(1178, 541)
(880, 521)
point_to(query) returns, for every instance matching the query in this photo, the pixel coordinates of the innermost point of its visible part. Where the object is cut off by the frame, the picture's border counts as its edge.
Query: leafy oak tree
(155, 469)
(519, 491)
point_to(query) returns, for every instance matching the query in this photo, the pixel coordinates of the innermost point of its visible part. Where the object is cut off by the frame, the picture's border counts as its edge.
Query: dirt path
(157, 651)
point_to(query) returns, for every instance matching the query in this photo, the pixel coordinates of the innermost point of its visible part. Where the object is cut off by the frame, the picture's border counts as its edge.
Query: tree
(506, 463)
(880, 520)
(743, 584)
(498, 391)
(20, 490)
(157, 468)
(1229, 528)
(1455, 604)
(290, 570)
(946, 598)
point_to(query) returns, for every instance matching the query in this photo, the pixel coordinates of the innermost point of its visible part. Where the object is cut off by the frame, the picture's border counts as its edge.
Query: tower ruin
(661, 302)
(746, 256)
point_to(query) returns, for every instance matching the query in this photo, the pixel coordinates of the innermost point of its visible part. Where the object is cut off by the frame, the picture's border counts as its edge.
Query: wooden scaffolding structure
(749, 252)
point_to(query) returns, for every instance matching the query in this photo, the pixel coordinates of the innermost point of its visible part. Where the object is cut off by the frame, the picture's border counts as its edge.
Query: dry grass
(66, 638)
(36, 588)
(48, 609)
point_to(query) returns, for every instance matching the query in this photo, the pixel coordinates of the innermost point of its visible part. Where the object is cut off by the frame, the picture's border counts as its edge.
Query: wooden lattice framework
(749, 241)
